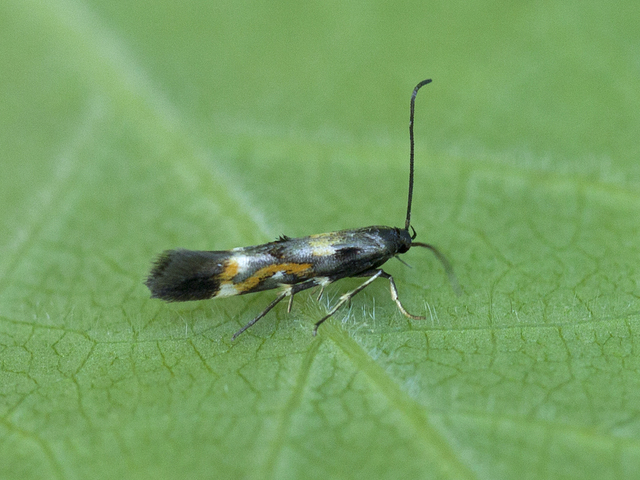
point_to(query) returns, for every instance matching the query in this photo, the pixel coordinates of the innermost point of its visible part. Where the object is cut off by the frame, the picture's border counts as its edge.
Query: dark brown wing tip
(183, 275)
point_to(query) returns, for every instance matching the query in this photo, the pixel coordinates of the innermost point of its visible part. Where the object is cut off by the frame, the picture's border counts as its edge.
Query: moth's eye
(404, 249)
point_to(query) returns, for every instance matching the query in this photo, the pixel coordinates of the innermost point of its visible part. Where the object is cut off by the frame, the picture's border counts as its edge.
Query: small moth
(293, 264)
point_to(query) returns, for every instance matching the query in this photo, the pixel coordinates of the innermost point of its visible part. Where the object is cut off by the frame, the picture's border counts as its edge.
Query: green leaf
(127, 128)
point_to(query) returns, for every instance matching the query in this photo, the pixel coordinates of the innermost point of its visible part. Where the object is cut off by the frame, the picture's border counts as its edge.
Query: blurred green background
(127, 128)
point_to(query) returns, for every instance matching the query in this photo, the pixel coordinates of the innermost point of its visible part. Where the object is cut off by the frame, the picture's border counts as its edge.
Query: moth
(292, 264)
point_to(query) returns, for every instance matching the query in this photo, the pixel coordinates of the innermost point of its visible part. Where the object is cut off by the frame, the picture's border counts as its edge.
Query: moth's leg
(290, 303)
(290, 290)
(262, 314)
(394, 297)
(298, 287)
(348, 296)
(323, 282)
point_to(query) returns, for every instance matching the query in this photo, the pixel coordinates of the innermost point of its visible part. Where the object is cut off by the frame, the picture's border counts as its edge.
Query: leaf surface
(127, 128)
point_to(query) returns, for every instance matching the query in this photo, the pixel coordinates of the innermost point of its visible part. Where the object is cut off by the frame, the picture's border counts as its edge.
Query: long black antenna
(407, 224)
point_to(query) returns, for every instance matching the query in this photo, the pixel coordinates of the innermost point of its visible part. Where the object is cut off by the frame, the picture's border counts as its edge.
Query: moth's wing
(181, 275)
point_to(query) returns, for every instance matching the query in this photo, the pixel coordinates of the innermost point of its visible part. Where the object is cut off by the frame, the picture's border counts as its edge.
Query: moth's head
(404, 239)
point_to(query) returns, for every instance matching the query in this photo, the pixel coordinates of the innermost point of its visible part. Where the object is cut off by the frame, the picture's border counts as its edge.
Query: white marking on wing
(227, 290)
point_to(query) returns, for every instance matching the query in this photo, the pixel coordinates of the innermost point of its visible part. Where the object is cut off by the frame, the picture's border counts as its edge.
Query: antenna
(407, 223)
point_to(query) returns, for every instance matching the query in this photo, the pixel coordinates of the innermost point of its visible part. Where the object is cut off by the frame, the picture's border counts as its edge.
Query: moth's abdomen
(182, 275)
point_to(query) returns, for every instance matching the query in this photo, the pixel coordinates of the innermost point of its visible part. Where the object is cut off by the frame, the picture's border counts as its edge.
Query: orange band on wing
(266, 272)
(230, 271)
